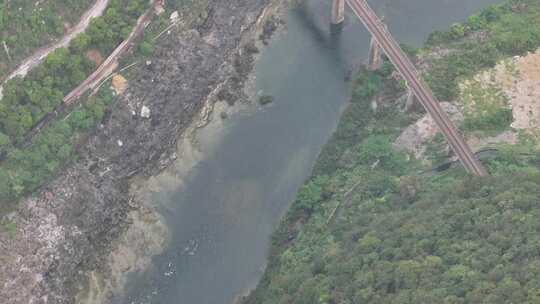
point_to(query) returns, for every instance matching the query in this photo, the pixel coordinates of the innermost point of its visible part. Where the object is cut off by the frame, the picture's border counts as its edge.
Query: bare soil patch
(95, 56)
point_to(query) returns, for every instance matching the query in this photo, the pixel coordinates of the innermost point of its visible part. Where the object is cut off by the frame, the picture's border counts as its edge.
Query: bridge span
(405, 67)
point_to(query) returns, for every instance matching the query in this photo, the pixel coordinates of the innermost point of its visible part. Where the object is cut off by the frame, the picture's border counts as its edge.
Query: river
(222, 214)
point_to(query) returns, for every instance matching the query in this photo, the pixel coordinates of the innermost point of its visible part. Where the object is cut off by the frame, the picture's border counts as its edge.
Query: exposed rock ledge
(513, 82)
(414, 137)
(68, 229)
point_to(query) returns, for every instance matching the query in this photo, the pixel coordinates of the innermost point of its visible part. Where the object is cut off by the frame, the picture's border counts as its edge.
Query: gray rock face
(68, 228)
(145, 112)
(414, 138)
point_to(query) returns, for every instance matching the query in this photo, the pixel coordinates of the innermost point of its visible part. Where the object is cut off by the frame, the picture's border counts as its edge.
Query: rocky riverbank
(81, 228)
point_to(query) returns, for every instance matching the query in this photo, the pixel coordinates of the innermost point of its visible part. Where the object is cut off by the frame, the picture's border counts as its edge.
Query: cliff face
(67, 229)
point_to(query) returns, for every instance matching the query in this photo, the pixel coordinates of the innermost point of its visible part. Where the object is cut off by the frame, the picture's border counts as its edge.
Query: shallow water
(222, 214)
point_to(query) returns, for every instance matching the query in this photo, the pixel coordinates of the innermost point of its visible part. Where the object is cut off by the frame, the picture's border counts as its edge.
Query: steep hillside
(375, 224)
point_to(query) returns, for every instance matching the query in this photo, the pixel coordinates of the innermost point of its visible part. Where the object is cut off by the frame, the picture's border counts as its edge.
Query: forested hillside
(374, 225)
(28, 24)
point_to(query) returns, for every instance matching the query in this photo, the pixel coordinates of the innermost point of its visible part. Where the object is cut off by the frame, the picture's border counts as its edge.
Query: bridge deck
(424, 94)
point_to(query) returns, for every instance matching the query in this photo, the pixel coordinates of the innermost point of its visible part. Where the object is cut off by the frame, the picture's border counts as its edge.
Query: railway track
(110, 64)
(93, 81)
(422, 91)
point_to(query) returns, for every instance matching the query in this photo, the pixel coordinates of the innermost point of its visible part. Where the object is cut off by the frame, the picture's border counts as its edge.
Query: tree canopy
(373, 226)
(26, 25)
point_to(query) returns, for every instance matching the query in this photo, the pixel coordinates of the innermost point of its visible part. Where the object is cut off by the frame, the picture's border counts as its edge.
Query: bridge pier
(338, 12)
(375, 55)
(424, 94)
(409, 103)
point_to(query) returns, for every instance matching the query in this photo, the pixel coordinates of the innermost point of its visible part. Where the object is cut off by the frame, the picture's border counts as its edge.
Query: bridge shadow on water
(222, 215)
(347, 44)
(318, 24)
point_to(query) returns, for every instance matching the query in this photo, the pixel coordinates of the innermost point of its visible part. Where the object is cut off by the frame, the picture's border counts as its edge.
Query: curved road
(424, 94)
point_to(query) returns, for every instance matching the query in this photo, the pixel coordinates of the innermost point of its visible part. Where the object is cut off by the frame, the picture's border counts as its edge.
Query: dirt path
(31, 62)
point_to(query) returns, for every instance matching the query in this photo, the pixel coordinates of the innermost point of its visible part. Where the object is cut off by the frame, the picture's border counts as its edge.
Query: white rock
(120, 143)
(374, 105)
(145, 112)
(159, 10)
(174, 16)
(148, 62)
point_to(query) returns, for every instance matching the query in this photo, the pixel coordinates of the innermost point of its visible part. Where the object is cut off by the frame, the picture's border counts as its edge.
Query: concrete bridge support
(375, 60)
(410, 102)
(338, 12)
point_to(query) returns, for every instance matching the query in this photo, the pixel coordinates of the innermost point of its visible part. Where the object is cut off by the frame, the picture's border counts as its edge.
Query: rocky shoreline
(69, 234)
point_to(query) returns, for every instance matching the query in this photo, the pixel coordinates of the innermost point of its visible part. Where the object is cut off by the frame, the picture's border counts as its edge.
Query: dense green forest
(26, 25)
(373, 225)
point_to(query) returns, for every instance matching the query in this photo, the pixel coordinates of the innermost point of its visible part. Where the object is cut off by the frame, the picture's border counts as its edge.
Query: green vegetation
(405, 239)
(25, 169)
(490, 122)
(500, 31)
(486, 108)
(26, 26)
(367, 227)
(371, 230)
(106, 32)
(352, 125)
(436, 149)
(10, 228)
(26, 101)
